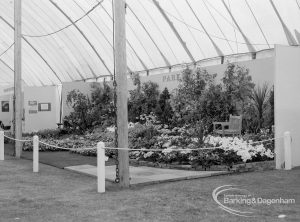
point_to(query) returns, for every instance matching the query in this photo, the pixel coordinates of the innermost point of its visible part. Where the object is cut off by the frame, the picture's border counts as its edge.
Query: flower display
(177, 144)
(170, 144)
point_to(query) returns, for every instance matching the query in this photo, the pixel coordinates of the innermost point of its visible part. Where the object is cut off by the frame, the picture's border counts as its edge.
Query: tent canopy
(70, 40)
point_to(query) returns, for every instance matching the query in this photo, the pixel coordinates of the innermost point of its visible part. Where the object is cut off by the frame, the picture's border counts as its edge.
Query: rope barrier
(54, 146)
(146, 150)
(64, 148)
(262, 141)
(187, 149)
(161, 150)
(17, 139)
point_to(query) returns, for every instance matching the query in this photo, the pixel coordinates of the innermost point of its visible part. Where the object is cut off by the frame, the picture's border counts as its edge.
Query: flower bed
(222, 150)
(170, 146)
(76, 143)
(228, 151)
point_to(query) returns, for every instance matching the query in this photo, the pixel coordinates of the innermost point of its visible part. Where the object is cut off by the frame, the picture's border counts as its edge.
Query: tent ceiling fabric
(69, 40)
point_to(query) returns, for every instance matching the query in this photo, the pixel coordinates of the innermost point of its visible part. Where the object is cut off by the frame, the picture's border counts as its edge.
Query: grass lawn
(59, 195)
(58, 159)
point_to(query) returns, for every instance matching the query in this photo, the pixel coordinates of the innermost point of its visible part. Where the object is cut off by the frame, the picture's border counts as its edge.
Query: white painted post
(1, 145)
(101, 167)
(35, 154)
(287, 151)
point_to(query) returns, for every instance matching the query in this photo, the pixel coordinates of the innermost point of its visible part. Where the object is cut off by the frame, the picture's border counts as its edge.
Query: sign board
(33, 109)
(32, 103)
(5, 106)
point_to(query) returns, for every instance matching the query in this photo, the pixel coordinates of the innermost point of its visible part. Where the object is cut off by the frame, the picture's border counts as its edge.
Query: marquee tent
(72, 40)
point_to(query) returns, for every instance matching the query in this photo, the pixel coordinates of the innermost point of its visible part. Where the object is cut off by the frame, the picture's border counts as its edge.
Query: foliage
(90, 112)
(163, 109)
(142, 136)
(200, 101)
(74, 142)
(260, 98)
(250, 120)
(215, 157)
(80, 118)
(228, 150)
(187, 99)
(215, 106)
(168, 140)
(143, 99)
(262, 135)
(238, 86)
(102, 105)
(258, 112)
(151, 94)
(47, 133)
(151, 134)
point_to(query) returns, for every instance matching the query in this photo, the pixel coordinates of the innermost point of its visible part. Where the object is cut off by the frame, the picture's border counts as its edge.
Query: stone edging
(243, 167)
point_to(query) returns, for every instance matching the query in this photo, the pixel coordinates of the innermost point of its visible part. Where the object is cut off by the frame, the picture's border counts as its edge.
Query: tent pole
(17, 78)
(122, 93)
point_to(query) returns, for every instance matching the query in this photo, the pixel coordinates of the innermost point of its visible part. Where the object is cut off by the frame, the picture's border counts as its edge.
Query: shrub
(258, 113)
(187, 99)
(142, 136)
(163, 109)
(90, 112)
(80, 118)
(238, 86)
(261, 104)
(47, 133)
(102, 105)
(199, 100)
(142, 100)
(215, 106)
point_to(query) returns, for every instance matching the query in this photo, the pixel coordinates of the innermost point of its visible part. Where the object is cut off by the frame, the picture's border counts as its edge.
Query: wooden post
(122, 93)
(100, 167)
(35, 154)
(18, 110)
(1, 145)
(287, 151)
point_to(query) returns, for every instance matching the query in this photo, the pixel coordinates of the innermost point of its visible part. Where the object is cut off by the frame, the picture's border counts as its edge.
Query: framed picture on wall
(44, 107)
(5, 106)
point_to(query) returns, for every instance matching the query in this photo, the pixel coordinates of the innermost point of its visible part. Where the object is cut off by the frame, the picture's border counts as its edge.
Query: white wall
(41, 119)
(261, 70)
(287, 101)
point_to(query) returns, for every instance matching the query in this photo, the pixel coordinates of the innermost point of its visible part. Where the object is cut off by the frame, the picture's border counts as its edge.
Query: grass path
(59, 195)
(58, 159)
